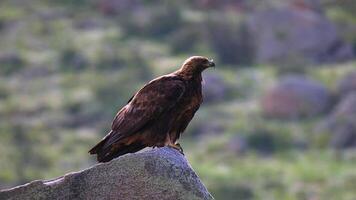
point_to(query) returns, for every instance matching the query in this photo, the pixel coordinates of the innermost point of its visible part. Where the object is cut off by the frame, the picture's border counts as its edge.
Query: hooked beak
(211, 63)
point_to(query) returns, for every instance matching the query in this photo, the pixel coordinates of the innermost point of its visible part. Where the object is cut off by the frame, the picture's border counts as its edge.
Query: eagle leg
(180, 148)
(176, 147)
(172, 144)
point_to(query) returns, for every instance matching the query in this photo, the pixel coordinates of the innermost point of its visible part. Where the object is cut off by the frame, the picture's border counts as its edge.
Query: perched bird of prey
(157, 114)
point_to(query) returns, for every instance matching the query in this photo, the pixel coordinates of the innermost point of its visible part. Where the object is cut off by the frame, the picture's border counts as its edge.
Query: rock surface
(340, 126)
(297, 32)
(347, 84)
(161, 173)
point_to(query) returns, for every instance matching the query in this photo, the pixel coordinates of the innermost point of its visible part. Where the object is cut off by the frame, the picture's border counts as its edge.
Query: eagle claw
(177, 147)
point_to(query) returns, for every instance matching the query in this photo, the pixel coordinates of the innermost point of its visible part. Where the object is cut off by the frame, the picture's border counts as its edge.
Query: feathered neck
(189, 72)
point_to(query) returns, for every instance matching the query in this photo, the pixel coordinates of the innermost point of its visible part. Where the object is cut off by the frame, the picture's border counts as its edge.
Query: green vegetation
(67, 67)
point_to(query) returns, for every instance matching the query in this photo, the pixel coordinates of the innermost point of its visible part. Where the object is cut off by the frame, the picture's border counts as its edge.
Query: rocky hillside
(278, 118)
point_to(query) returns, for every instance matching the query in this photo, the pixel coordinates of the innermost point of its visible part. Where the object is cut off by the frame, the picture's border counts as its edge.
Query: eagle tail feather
(98, 147)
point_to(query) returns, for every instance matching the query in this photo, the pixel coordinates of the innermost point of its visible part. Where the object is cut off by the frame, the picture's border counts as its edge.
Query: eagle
(157, 114)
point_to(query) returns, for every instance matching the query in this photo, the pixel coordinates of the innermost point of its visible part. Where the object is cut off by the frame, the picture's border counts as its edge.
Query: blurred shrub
(4, 92)
(28, 162)
(109, 63)
(266, 142)
(73, 108)
(293, 64)
(220, 4)
(71, 60)
(115, 7)
(232, 192)
(2, 24)
(112, 92)
(155, 22)
(230, 39)
(347, 6)
(81, 114)
(74, 4)
(186, 39)
(10, 63)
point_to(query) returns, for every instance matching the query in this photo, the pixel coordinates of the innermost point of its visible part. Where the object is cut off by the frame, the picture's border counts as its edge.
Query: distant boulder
(346, 107)
(296, 32)
(341, 124)
(295, 97)
(347, 84)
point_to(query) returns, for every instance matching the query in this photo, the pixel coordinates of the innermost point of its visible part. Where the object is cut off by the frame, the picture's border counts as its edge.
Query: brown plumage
(157, 114)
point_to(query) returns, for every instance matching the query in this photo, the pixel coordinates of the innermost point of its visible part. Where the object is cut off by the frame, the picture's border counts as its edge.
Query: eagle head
(196, 64)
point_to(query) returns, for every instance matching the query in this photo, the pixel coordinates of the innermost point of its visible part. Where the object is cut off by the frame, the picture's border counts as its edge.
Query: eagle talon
(176, 147)
(180, 148)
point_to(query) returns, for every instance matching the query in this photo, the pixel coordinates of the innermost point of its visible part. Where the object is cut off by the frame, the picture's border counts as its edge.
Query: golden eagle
(157, 114)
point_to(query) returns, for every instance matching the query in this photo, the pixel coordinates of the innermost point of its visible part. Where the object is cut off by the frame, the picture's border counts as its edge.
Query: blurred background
(279, 116)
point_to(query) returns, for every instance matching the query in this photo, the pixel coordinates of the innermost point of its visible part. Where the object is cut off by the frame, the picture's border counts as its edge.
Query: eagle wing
(147, 104)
